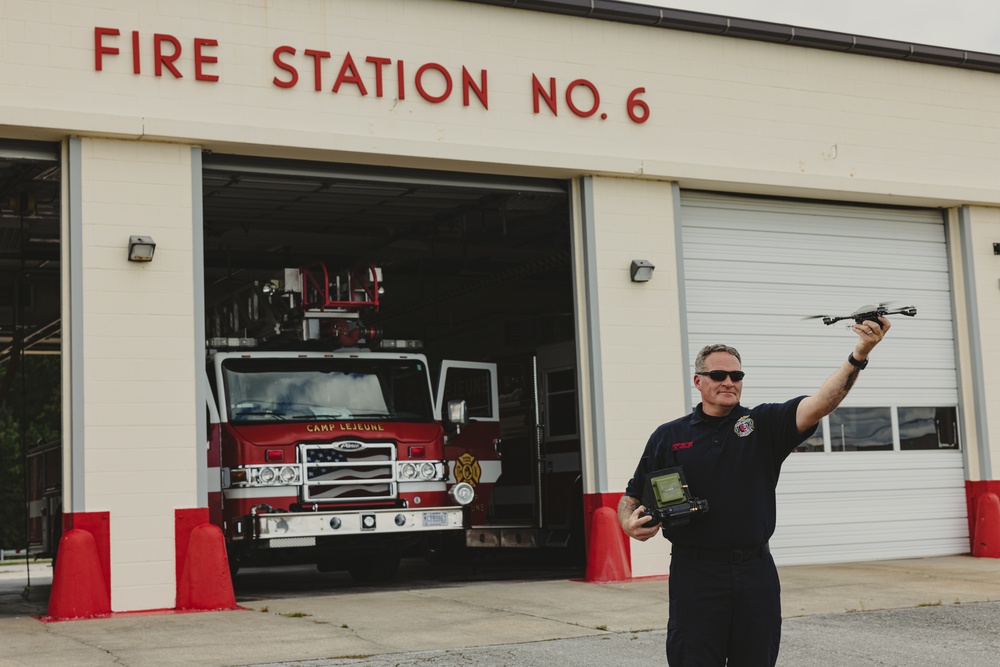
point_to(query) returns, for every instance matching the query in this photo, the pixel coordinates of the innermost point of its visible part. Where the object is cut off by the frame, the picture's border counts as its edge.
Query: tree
(30, 412)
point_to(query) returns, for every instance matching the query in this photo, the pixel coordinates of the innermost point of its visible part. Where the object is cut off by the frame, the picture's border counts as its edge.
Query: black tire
(375, 568)
(447, 549)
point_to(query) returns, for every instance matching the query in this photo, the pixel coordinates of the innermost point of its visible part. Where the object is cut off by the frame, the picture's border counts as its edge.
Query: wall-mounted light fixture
(641, 270)
(140, 248)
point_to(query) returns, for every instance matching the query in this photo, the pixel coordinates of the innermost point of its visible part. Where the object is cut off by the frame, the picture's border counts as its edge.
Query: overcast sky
(972, 25)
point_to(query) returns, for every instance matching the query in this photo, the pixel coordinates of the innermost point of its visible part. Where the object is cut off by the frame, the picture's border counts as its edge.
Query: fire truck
(332, 445)
(327, 439)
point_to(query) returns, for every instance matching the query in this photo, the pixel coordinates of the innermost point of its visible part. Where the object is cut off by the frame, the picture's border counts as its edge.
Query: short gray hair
(699, 361)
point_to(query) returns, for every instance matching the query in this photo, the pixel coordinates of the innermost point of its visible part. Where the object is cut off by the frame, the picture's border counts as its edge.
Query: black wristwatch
(860, 365)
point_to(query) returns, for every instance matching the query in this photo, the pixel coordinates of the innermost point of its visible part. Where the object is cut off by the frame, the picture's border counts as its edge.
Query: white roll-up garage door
(884, 476)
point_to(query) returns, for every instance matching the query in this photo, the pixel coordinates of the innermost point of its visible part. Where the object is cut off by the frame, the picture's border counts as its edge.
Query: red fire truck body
(330, 457)
(334, 456)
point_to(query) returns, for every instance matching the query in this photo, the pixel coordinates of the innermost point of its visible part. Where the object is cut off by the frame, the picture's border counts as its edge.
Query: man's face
(718, 398)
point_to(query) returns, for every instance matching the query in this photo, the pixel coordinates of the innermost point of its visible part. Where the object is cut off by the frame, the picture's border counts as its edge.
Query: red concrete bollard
(607, 559)
(78, 584)
(986, 537)
(205, 582)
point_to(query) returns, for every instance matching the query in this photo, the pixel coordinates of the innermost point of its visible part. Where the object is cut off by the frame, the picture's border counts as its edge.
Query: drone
(870, 312)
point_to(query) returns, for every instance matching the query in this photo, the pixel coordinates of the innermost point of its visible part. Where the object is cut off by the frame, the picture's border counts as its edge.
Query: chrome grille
(349, 471)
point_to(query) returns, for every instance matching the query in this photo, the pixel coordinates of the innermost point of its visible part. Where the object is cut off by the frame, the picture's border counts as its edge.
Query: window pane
(561, 390)
(861, 430)
(814, 443)
(473, 385)
(267, 389)
(562, 381)
(562, 415)
(928, 428)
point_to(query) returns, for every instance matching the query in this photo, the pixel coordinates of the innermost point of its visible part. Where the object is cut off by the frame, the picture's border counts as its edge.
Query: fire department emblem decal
(467, 469)
(744, 426)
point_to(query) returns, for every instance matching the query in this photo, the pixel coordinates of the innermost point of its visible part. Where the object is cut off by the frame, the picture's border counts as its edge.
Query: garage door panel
(917, 257)
(753, 268)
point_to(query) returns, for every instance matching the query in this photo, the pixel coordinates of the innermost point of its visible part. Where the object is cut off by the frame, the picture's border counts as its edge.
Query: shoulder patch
(744, 426)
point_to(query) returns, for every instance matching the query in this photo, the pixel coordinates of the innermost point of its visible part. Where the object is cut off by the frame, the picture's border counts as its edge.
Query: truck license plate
(434, 519)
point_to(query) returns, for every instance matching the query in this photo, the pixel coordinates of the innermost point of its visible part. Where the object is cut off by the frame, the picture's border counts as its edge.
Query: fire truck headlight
(266, 475)
(408, 471)
(427, 470)
(289, 475)
(462, 493)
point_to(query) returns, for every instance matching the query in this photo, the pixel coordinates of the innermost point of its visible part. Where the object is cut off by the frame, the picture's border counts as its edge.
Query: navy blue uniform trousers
(720, 609)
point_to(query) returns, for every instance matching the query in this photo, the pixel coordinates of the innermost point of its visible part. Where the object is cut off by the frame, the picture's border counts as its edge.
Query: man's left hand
(870, 334)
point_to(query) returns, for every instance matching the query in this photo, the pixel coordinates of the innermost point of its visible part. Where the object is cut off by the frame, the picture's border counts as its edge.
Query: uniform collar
(699, 416)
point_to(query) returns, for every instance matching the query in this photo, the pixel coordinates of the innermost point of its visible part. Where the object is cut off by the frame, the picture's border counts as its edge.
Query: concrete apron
(452, 616)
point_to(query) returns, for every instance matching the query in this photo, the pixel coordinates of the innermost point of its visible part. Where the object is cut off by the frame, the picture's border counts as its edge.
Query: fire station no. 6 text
(164, 55)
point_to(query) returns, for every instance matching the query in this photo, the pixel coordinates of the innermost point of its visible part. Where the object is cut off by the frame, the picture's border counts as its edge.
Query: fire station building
(620, 184)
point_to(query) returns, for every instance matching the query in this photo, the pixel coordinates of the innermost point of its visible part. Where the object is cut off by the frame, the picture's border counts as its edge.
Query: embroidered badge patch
(744, 426)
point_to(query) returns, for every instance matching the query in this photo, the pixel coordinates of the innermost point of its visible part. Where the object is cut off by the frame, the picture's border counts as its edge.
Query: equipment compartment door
(473, 452)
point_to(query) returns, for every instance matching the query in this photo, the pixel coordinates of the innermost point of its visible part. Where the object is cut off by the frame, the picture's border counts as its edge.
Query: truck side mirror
(458, 414)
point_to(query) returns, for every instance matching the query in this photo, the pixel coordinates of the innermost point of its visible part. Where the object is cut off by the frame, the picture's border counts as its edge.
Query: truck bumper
(300, 529)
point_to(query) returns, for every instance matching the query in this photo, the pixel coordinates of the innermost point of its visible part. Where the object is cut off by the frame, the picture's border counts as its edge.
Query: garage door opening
(30, 345)
(477, 269)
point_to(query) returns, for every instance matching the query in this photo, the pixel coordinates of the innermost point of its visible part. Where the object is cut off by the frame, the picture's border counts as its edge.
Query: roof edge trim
(761, 31)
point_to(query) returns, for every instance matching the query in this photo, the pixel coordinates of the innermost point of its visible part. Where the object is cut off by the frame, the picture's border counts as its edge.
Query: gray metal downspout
(681, 296)
(76, 405)
(963, 426)
(975, 344)
(593, 332)
(198, 273)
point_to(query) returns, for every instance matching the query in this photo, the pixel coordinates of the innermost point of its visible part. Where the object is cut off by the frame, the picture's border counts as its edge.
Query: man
(724, 590)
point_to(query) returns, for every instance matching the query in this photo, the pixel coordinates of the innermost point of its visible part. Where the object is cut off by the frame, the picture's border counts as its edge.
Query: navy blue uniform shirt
(732, 462)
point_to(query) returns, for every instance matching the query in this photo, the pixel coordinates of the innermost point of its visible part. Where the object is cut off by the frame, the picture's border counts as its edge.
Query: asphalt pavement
(912, 613)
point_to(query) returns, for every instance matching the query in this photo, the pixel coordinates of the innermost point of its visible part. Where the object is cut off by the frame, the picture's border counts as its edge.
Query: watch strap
(860, 365)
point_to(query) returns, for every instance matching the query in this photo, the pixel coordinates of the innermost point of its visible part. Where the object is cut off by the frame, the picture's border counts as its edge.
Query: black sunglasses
(719, 376)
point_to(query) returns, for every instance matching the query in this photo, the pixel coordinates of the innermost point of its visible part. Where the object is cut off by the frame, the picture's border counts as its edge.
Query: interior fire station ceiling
(459, 242)
(262, 214)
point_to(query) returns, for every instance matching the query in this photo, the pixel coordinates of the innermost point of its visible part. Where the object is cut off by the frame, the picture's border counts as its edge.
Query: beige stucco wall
(725, 114)
(751, 115)
(138, 348)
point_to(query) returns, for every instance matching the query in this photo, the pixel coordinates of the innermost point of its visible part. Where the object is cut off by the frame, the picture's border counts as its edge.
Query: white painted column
(138, 364)
(642, 355)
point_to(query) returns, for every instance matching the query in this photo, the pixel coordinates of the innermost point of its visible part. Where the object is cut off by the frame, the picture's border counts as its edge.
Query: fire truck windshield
(270, 389)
